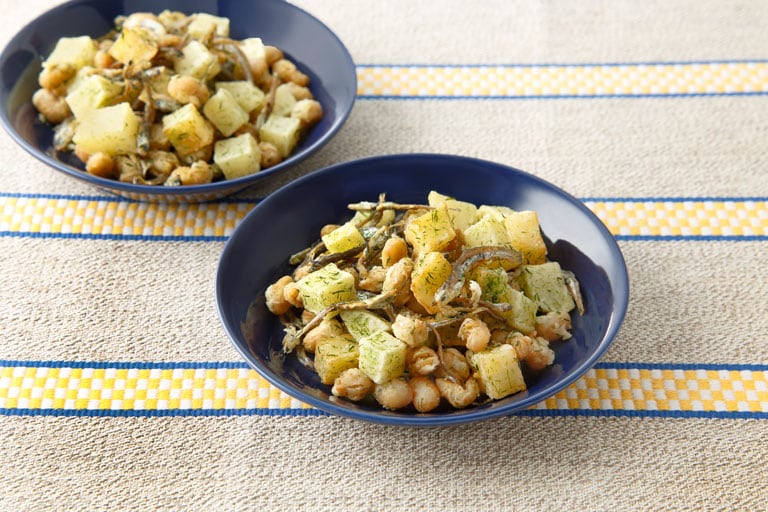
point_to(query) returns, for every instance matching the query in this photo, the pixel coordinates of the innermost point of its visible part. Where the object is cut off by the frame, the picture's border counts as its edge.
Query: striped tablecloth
(120, 391)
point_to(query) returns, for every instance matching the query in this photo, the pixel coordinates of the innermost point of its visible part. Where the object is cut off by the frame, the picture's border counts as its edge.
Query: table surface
(120, 390)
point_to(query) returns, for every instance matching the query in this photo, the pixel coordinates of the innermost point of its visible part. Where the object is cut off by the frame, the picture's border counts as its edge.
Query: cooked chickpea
(287, 72)
(554, 326)
(299, 92)
(373, 280)
(411, 330)
(459, 395)
(53, 76)
(186, 89)
(475, 334)
(292, 295)
(163, 162)
(398, 280)
(308, 112)
(540, 355)
(275, 295)
(81, 154)
(198, 173)
(100, 164)
(103, 60)
(270, 155)
(352, 384)
(272, 53)
(52, 107)
(422, 361)
(157, 137)
(327, 328)
(395, 249)
(393, 395)
(454, 365)
(426, 394)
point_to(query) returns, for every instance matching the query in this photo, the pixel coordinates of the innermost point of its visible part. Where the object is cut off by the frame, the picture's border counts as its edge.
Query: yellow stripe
(563, 80)
(123, 218)
(131, 389)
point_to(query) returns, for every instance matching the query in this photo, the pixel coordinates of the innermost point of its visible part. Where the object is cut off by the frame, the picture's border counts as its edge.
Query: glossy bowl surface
(290, 219)
(304, 39)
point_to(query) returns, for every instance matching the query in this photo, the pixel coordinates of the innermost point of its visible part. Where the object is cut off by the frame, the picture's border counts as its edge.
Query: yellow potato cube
(224, 112)
(499, 371)
(91, 93)
(237, 156)
(197, 61)
(343, 238)
(111, 130)
(253, 49)
(203, 24)
(429, 273)
(284, 101)
(187, 130)
(247, 95)
(334, 355)
(432, 231)
(462, 213)
(77, 52)
(283, 132)
(133, 45)
(326, 286)
(361, 323)
(382, 357)
(525, 236)
(486, 231)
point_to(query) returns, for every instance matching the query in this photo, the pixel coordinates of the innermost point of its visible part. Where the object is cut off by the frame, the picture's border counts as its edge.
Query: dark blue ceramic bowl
(304, 39)
(290, 219)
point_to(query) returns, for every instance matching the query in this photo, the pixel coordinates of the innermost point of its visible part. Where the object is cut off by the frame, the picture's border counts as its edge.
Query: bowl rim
(617, 314)
(213, 190)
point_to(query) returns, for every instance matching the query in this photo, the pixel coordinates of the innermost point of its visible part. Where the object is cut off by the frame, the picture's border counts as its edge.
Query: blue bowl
(290, 220)
(304, 39)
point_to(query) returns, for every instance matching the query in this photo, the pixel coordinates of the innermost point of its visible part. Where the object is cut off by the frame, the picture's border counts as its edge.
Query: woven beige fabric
(692, 302)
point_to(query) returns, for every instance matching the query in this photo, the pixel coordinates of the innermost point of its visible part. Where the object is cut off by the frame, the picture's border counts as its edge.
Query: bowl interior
(290, 219)
(303, 38)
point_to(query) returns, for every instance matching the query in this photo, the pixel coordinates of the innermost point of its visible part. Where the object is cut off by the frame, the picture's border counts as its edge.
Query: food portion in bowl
(170, 99)
(418, 305)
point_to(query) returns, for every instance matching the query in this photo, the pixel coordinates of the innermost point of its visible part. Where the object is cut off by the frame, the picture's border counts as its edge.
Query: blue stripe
(563, 96)
(214, 365)
(569, 64)
(99, 413)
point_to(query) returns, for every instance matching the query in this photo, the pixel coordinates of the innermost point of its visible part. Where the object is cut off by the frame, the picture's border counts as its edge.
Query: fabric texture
(119, 389)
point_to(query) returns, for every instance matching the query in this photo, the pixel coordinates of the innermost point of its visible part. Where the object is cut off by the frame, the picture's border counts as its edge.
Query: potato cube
(197, 61)
(72, 51)
(462, 213)
(545, 285)
(343, 238)
(326, 286)
(247, 95)
(499, 371)
(496, 289)
(91, 93)
(224, 112)
(133, 45)
(382, 357)
(283, 132)
(429, 273)
(284, 101)
(361, 323)
(431, 231)
(253, 49)
(237, 156)
(525, 236)
(187, 130)
(486, 231)
(203, 24)
(112, 130)
(334, 355)
(498, 213)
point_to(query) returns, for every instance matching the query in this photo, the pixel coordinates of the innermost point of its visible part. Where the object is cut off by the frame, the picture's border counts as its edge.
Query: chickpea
(157, 138)
(454, 365)
(398, 280)
(459, 395)
(423, 361)
(535, 352)
(52, 107)
(426, 394)
(301, 271)
(81, 154)
(373, 280)
(53, 76)
(352, 384)
(103, 60)
(198, 173)
(299, 92)
(308, 112)
(554, 326)
(394, 394)
(287, 72)
(273, 54)
(270, 155)
(164, 162)
(100, 164)
(276, 302)
(475, 334)
(395, 249)
(411, 330)
(186, 89)
(327, 328)
(292, 295)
